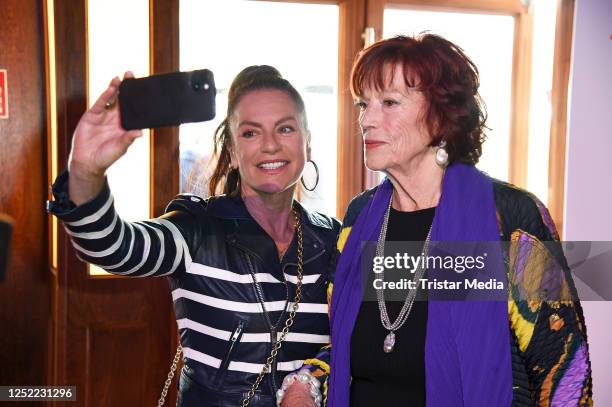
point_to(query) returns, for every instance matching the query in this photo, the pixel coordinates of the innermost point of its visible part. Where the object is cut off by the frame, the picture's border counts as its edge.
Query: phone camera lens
(196, 86)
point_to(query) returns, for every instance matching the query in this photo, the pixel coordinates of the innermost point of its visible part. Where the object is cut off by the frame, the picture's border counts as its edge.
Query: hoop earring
(442, 155)
(317, 180)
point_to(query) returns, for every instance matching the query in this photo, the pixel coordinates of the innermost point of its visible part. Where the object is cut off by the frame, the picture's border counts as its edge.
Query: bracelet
(303, 376)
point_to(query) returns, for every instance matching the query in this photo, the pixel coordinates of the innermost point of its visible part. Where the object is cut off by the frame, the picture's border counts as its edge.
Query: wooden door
(24, 295)
(113, 337)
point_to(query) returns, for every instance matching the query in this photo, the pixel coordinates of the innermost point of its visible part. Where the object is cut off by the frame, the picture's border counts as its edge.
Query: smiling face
(269, 143)
(392, 121)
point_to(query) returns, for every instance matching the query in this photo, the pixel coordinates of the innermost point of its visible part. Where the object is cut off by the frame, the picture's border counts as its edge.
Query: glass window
(540, 104)
(488, 40)
(227, 36)
(118, 41)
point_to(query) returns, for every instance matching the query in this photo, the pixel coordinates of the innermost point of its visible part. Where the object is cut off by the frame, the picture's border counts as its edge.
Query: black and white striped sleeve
(136, 249)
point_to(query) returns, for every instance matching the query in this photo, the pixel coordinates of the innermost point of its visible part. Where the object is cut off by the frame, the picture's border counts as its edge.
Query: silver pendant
(389, 342)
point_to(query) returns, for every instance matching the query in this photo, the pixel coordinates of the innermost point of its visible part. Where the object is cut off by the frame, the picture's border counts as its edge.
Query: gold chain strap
(298, 297)
(164, 393)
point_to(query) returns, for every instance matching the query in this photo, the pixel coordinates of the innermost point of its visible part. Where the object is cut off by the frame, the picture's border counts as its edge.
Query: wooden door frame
(562, 60)
(164, 51)
(351, 178)
(67, 91)
(164, 47)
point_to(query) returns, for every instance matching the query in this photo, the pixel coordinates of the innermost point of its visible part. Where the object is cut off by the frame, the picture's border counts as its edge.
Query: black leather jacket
(225, 236)
(231, 292)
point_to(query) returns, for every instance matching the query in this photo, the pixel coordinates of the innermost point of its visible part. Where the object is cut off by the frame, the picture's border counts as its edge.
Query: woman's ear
(232, 154)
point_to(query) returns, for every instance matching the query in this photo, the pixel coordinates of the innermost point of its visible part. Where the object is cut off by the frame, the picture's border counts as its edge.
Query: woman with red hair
(508, 333)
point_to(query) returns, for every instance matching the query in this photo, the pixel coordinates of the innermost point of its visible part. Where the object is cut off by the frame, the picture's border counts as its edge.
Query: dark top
(396, 378)
(522, 217)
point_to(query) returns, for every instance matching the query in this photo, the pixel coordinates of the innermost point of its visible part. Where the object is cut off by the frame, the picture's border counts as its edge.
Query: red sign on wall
(4, 107)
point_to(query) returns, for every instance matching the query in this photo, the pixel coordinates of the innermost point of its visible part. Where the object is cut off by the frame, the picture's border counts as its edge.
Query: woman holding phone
(247, 268)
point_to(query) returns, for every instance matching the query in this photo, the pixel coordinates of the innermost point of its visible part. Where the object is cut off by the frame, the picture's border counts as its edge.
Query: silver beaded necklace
(389, 342)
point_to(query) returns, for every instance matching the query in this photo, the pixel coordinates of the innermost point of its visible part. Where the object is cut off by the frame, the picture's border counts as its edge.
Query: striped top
(231, 293)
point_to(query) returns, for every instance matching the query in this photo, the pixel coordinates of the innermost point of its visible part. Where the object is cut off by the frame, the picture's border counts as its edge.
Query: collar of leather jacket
(228, 207)
(243, 232)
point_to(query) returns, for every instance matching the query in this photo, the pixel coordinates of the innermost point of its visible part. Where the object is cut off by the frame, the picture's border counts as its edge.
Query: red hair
(447, 78)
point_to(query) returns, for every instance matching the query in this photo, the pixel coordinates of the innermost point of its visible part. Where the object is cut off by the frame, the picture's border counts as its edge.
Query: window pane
(544, 19)
(236, 34)
(492, 54)
(118, 35)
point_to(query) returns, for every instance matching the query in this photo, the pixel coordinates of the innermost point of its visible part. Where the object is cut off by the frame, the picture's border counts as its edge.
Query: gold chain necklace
(290, 319)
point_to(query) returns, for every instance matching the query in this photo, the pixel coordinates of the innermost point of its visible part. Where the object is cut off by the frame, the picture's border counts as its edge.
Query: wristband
(303, 376)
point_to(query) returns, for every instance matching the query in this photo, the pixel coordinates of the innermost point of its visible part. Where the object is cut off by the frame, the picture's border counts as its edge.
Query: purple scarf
(467, 351)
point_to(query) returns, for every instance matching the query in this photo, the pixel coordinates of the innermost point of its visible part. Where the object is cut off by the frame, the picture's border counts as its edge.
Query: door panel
(24, 295)
(107, 351)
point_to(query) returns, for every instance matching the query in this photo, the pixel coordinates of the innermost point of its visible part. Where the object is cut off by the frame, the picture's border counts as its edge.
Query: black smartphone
(167, 99)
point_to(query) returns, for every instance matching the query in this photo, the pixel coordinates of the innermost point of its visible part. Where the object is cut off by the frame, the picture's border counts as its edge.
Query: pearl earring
(442, 155)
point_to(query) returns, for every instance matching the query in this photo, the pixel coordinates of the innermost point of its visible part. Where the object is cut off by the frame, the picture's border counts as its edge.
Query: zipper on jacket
(262, 299)
(234, 339)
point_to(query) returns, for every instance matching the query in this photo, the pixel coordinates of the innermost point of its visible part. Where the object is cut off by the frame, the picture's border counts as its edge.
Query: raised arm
(84, 203)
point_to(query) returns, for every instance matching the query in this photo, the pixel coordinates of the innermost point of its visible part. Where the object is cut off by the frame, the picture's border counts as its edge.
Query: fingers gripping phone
(167, 99)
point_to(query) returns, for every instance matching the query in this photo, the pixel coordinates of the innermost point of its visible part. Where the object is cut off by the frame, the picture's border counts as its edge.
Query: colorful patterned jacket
(550, 360)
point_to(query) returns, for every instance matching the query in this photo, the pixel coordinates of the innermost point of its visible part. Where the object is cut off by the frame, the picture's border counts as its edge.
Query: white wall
(588, 200)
